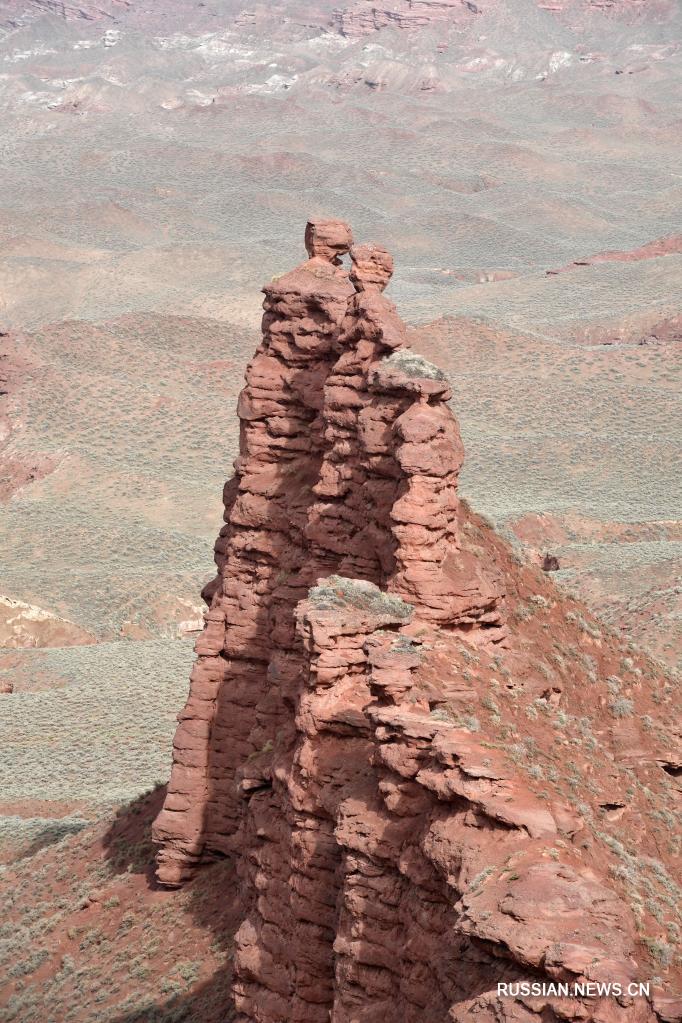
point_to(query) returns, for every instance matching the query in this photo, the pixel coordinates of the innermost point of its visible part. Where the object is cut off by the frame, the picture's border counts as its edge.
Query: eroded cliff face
(345, 736)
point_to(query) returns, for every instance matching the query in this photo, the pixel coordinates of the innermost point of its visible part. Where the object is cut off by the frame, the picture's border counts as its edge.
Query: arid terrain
(520, 160)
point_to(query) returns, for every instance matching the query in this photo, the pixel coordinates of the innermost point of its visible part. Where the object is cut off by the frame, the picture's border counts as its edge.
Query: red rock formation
(341, 456)
(396, 863)
(370, 852)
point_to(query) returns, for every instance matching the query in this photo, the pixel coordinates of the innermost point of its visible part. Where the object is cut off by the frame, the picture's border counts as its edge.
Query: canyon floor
(157, 161)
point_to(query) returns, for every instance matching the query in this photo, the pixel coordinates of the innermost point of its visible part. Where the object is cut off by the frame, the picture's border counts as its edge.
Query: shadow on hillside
(128, 842)
(208, 1003)
(54, 832)
(211, 899)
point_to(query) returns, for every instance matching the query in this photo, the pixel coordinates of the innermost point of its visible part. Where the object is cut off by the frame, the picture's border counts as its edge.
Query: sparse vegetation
(120, 966)
(622, 707)
(660, 951)
(119, 753)
(337, 593)
(411, 364)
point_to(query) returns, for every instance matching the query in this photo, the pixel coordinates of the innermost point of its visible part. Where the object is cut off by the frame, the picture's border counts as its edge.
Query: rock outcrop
(362, 18)
(396, 861)
(25, 625)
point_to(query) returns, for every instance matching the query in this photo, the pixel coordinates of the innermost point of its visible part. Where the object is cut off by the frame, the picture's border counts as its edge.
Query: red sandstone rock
(260, 554)
(328, 239)
(396, 864)
(372, 267)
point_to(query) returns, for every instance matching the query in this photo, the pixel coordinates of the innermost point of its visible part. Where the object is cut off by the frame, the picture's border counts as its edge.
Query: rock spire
(348, 463)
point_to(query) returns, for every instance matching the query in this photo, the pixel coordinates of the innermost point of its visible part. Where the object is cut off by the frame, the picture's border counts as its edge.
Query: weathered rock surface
(399, 856)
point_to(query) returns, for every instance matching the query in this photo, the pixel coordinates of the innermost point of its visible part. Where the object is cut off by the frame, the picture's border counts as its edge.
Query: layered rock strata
(262, 557)
(394, 863)
(348, 462)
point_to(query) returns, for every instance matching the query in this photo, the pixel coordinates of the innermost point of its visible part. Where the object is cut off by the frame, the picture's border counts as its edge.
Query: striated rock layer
(395, 863)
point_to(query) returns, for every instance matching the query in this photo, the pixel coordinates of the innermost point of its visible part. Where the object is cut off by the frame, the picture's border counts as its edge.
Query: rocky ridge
(365, 17)
(400, 857)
